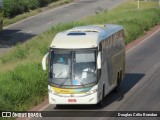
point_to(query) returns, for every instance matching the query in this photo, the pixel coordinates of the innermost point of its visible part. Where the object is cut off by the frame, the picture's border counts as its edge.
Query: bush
(15, 7)
(9, 7)
(30, 4)
(44, 2)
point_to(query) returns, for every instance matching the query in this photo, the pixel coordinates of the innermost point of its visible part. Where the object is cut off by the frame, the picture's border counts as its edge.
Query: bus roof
(84, 36)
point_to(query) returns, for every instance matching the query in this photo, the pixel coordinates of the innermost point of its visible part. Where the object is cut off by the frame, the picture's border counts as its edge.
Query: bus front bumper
(71, 99)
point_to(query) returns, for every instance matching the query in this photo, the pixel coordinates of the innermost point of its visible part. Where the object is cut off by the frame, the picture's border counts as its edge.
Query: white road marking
(29, 32)
(49, 23)
(67, 15)
(82, 9)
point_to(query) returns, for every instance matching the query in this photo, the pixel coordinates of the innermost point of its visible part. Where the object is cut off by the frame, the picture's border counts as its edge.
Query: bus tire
(58, 106)
(101, 103)
(117, 88)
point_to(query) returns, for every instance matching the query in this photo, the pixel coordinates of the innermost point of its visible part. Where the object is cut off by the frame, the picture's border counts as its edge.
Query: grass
(18, 91)
(8, 21)
(24, 84)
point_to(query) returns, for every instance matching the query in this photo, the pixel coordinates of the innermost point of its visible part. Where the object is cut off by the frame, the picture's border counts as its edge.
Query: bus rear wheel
(117, 88)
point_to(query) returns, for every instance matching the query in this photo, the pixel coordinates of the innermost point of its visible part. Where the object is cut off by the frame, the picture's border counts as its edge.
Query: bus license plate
(72, 100)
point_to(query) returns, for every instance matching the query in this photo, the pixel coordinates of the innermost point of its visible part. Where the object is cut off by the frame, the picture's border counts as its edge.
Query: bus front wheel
(101, 103)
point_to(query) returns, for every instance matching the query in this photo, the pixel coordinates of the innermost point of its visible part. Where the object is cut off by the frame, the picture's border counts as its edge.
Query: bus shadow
(10, 37)
(131, 79)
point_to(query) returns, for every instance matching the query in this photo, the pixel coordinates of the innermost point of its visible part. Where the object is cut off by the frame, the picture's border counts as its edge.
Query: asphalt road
(33, 26)
(140, 91)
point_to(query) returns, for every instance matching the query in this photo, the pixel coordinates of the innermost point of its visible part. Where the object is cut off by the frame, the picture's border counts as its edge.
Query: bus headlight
(91, 92)
(52, 91)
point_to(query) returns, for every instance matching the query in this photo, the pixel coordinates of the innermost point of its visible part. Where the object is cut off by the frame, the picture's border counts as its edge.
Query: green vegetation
(10, 20)
(24, 84)
(15, 7)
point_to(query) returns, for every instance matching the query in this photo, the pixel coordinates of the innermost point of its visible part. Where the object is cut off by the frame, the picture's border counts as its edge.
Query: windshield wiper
(81, 83)
(59, 75)
(62, 82)
(78, 80)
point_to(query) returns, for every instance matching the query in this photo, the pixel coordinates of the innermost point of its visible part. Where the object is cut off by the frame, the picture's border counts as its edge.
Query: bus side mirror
(99, 60)
(44, 61)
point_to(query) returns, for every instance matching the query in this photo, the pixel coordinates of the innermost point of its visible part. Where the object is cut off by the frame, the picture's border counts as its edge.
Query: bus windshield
(73, 67)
